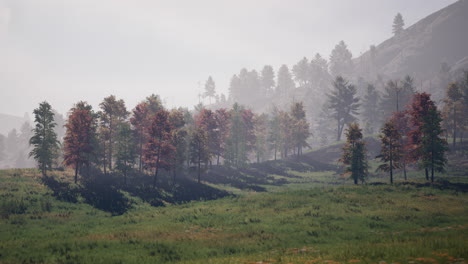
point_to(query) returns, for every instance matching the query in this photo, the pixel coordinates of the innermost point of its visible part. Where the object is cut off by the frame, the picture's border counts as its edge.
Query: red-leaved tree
(158, 151)
(80, 136)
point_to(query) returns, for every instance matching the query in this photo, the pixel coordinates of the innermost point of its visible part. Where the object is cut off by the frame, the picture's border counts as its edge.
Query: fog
(65, 51)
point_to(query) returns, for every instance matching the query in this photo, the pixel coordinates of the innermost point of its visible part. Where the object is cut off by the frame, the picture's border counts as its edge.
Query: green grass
(315, 218)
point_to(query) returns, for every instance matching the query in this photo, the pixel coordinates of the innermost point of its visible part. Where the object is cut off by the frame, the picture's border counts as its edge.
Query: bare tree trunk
(454, 140)
(404, 170)
(339, 131)
(76, 173)
(199, 168)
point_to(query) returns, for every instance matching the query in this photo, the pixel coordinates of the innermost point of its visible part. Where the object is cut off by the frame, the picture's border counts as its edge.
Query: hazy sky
(64, 51)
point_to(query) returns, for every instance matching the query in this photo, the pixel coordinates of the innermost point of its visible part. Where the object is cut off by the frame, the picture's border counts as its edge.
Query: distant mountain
(433, 51)
(8, 122)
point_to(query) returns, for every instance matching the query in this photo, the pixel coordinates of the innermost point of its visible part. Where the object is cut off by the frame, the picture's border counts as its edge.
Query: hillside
(421, 50)
(312, 217)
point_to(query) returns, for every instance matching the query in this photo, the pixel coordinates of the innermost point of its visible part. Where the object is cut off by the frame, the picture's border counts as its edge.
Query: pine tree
(139, 123)
(206, 120)
(274, 137)
(301, 72)
(210, 88)
(300, 127)
(453, 110)
(355, 154)
(390, 152)
(341, 63)
(426, 145)
(370, 107)
(44, 139)
(126, 151)
(267, 80)
(343, 103)
(432, 144)
(199, 152)
(113, 113)
(398, 24)
(260, 131)
(286, 123)
(241, 136)
(285, 82)
(397, 95)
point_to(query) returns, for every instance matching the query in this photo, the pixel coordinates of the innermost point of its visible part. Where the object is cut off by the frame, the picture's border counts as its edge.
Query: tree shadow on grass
(102, 193)
(98, 191)
(255, 176)
(183, 190)
(61, 190)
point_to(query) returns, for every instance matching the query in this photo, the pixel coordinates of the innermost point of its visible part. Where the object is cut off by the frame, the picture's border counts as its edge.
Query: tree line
(151, 138)
(413, 134)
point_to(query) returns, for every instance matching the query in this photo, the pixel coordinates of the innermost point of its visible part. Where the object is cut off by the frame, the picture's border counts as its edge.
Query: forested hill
(433, 50)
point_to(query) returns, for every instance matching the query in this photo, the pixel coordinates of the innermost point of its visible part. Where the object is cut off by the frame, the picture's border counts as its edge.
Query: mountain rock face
(433, 51)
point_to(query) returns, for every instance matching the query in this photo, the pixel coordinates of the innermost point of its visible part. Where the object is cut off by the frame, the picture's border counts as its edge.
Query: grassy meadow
(301, 215)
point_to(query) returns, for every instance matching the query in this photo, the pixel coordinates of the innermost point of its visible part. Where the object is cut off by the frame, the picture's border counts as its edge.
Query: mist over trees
(269, 113)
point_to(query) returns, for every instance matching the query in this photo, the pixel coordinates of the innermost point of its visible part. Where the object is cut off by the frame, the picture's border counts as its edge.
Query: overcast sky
(64, 51)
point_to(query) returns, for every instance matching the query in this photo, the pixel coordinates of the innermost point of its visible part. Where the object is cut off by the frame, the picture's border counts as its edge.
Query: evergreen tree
(44, 141)
(235, 92)
(432, 144)
(286, 124)
(370, 107)
(341, 63)
(206, 120)
(301, 72)
(139, 123)
(318, 71)
(267, 80)
(398, 24)
(199, 153)
(241, 136)
(300, 127)
(343, 103)
(453, 111)
(260, 131)
(355, 154)
(126, 151)
(113, 113)
(274, 137)
(396, 96)
(390, 152)
(210, 88)
(285, 82)
(426, 145)
(179, 141)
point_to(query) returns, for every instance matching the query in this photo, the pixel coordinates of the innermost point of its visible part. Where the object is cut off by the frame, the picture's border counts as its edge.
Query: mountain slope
(440, 38)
